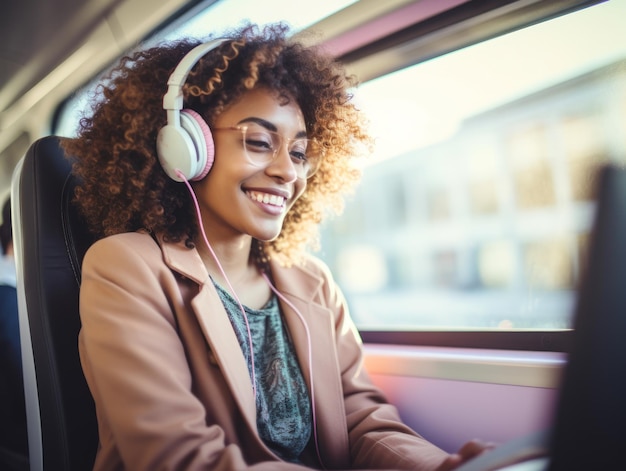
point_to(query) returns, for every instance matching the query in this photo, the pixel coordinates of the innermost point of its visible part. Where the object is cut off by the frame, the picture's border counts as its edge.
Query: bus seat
(50, 240)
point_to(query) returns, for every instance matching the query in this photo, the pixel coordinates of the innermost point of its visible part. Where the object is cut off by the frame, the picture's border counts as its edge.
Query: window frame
(526, 340)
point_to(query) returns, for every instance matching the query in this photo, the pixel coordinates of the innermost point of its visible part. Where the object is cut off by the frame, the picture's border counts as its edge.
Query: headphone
(185, 143)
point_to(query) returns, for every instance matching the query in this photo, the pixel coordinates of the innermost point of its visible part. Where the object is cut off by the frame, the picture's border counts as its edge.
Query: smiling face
(247, 196)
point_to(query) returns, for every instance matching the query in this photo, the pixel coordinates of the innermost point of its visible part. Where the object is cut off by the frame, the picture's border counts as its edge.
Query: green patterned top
(283, 406)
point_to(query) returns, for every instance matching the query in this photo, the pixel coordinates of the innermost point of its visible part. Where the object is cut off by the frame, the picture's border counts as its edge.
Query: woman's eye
(298, 151)
(259, 143)
(298, 155)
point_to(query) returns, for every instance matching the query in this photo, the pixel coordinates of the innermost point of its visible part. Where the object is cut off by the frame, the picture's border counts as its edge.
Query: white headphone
(185, 143)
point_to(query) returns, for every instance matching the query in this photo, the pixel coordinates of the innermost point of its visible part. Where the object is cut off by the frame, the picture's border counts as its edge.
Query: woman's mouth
(266, 198)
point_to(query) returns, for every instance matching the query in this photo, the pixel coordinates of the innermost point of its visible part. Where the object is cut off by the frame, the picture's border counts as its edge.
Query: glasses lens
(313, 157)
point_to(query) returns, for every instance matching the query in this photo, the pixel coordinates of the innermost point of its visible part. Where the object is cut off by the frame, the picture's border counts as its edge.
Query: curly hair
(122, 185)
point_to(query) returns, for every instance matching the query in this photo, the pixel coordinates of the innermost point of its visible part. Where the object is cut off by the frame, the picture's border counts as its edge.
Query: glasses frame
(311, 156)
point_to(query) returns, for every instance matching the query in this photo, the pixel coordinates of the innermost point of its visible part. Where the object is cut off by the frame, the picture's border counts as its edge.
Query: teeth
(266, 198)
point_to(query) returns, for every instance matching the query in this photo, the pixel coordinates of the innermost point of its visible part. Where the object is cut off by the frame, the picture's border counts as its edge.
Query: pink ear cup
(208, 141)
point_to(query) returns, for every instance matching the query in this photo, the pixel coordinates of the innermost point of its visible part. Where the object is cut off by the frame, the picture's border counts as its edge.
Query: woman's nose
(282, 165)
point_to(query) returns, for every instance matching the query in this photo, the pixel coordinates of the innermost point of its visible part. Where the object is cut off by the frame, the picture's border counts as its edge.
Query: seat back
(50, 241)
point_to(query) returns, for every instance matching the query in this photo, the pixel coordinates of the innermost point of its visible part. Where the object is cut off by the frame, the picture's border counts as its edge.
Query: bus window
(475, 211)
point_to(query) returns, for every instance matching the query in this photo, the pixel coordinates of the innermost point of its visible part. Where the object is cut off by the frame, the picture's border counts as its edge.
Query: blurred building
(489, 227)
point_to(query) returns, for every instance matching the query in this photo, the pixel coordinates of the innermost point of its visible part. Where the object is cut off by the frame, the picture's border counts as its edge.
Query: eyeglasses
(262, 146)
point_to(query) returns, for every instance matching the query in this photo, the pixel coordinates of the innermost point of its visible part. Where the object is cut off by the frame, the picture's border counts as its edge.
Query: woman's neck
(233, 255)
(239, 274)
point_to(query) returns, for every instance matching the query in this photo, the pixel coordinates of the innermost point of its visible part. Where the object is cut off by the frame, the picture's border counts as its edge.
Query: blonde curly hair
(122, 185)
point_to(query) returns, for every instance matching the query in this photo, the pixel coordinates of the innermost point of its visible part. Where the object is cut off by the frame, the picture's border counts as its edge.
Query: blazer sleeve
(378, 437)
(136, 367)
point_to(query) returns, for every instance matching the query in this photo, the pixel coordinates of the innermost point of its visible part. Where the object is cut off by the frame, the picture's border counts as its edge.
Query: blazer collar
(183, 260)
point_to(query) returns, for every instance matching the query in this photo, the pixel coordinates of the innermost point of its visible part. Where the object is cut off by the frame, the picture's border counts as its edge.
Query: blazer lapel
(215, 325)
(317, 353)
(221, 338)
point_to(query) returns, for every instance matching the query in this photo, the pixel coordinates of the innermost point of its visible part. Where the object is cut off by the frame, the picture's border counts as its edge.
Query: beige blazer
(172, 388)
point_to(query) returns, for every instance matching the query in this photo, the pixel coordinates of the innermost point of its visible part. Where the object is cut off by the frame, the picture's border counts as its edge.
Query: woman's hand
(468, 451)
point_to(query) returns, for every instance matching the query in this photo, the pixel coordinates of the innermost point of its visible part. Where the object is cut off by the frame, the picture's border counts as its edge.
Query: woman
(209, 339)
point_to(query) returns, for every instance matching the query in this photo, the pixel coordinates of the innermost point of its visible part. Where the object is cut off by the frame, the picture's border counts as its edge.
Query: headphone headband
(173, 99)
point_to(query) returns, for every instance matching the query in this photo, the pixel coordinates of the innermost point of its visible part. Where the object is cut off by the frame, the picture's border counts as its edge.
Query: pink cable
(243, 311)
(280, 295)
